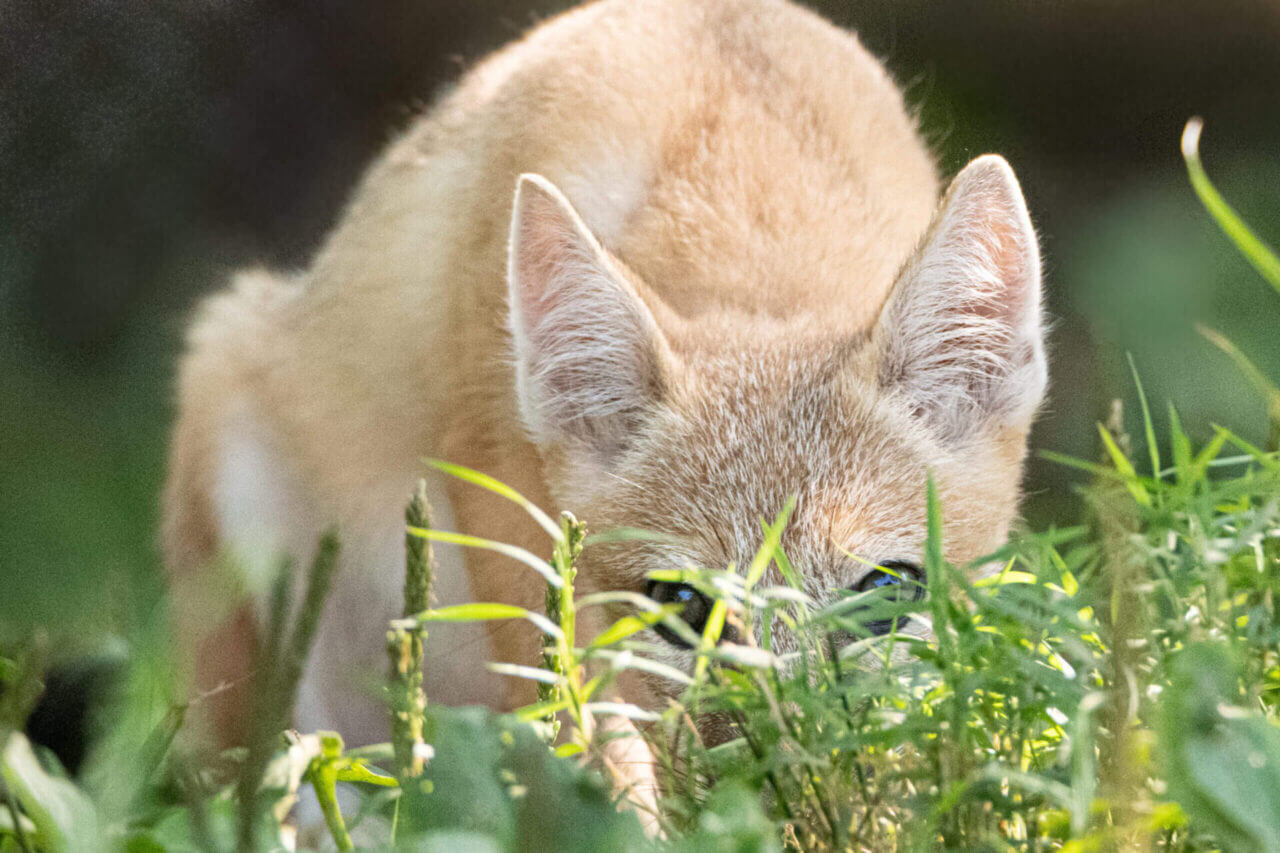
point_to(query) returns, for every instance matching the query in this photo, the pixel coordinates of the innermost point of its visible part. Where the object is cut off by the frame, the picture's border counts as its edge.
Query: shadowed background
(148, 149)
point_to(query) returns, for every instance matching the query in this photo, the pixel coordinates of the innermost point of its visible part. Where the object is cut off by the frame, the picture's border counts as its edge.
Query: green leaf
(485, 612)
(537, 711)
(935, 566)
(64, 817)
(745, 657)
(625, 627)
(1125, 467)
(789, 573)
(635, 599)
(1148, 428)
(475, 612)
(379, 752)
(357, 771)
(568, 750)
(532, 673)
(1255, 453)
(1007, 577)
(628, 659)
(1222, 762)
(498, 487)
(621, 709)
(540, 566)
(772, 538)
(1269, 392)
(1181, 445)
(1082, 465)
(493, 776)
(669, 575)
(1255, 251)
(631, 534)
(710, 636)
(1209, 453)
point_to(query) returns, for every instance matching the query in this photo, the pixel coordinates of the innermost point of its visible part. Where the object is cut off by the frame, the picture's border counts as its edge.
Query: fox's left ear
(961, 336)
(590, 361)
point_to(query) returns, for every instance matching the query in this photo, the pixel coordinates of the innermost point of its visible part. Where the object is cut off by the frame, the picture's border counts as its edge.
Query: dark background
(147, 149)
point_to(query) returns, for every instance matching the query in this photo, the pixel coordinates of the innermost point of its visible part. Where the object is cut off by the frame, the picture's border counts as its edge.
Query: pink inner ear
(962, 333)
(992, 248)
(1007, 254)
(586, 346)
(1018, 260)
(549, 248)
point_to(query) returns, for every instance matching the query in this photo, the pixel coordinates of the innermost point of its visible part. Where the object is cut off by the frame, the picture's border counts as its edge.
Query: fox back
(726, 280)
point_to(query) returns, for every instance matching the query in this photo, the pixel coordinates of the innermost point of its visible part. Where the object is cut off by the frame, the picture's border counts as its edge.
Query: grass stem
(405, 644)
(279, 670)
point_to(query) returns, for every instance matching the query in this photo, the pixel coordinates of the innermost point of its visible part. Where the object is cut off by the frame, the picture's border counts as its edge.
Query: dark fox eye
(908, 576)
(694, 608)
(904, 582)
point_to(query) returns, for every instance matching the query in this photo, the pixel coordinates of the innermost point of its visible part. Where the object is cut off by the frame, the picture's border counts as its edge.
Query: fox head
(701, 426)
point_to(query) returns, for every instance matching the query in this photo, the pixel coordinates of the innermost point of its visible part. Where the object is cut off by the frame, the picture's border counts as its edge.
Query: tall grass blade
(516, 553)
(1148, 428)
(498, 487)
(1270, 393)
(276, 686)
(1125, 467)
(1262, 258)
(769, 549)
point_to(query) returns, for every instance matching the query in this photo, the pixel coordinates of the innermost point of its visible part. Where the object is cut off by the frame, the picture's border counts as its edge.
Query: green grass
(1114, 685)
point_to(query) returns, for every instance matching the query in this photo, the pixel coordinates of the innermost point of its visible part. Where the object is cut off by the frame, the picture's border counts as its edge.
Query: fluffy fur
(720, 286)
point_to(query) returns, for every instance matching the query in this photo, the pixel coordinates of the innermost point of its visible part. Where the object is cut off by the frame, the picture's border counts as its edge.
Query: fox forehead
(735, 444)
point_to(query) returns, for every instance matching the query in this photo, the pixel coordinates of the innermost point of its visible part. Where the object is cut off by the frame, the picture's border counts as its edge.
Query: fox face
(699, 428)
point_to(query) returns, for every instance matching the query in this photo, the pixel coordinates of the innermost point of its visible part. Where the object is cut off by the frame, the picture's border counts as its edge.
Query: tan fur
(746, 187)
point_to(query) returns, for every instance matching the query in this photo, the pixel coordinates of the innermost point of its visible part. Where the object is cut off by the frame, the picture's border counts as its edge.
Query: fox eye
(903, 582)
(900, 574)
(695, 608)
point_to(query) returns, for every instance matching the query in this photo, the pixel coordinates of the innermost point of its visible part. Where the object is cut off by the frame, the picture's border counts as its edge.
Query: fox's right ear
(590, 360)
(961, 336)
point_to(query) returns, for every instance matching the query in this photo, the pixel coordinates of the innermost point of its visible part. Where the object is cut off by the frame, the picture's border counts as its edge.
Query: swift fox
(662, 263)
